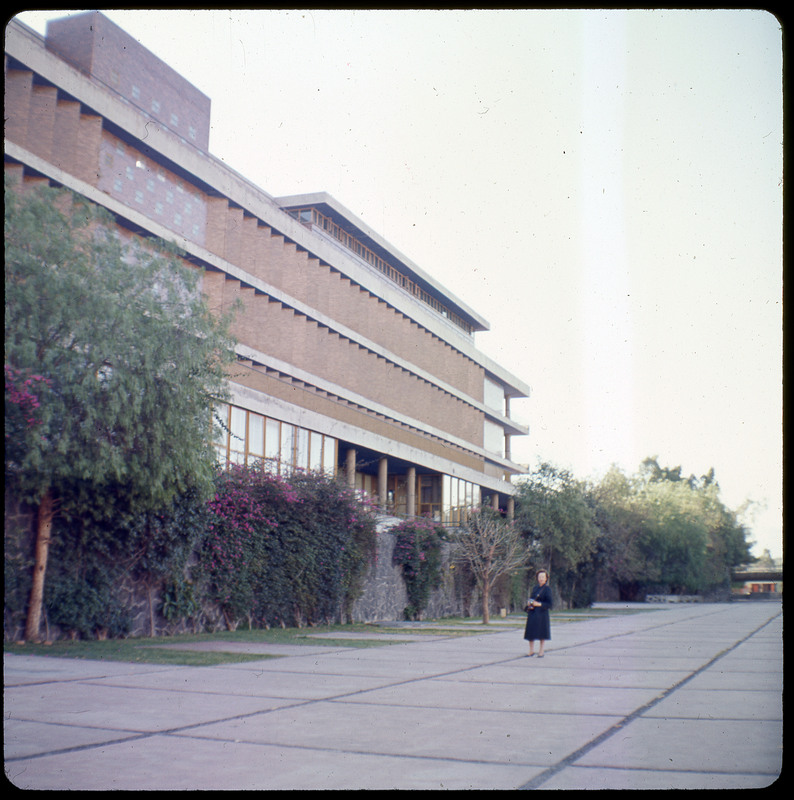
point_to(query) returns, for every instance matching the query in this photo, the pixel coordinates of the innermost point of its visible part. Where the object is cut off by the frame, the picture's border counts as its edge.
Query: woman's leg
(542, 642)
(532, 647)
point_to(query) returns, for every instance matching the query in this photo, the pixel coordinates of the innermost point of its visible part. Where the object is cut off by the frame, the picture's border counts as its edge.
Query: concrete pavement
(681, 696)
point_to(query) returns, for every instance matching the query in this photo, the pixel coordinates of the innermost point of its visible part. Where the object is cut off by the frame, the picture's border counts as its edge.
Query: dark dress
(538, 625)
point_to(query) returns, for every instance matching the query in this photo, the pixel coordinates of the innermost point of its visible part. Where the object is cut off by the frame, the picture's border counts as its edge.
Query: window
(430, 496)
(315, 451)
(301, 449)
(272, 444)
(460, 498)
(287, 450)
(237, 435)
(251, 438)
(256, 436)
(329, 455)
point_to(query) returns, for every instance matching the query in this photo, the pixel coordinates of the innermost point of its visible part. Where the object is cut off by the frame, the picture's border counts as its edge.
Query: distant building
(351, 358)
(762, 578)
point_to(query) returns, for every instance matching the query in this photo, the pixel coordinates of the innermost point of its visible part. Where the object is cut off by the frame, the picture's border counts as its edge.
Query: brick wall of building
(93, 44)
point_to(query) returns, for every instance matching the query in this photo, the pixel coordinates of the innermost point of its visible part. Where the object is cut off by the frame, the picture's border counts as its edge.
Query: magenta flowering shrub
(417, 551)
(23, 393)
(23, 411)
(285, 552)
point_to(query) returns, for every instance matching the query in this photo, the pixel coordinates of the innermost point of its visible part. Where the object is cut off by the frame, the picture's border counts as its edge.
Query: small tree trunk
(43, 536)
(486, 601)
(152, 626)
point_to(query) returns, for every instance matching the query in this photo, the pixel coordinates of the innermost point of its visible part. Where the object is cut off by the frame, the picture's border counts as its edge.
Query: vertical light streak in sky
(607, 386)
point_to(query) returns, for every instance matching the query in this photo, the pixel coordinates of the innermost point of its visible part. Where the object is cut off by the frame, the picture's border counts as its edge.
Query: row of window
(246, 437)
(311, 216)
(459, 499)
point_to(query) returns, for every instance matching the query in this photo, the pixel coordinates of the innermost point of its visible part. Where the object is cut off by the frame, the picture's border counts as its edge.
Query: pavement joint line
(133, 737)
(682, 771)
(383, 753)
(534, 783)
(550, 772)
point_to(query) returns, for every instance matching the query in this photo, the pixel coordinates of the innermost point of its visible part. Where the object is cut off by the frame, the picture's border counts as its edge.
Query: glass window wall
(249, 438)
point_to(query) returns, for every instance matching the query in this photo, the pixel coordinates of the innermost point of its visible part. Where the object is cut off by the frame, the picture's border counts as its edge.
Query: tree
(113, 361)
(677, 534)
(491, 547)
(554, 513)
(664, 532)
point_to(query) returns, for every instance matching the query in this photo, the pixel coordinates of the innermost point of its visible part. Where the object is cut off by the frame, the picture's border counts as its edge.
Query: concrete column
(495, 501)
(511, 507)
(383, 473)
(350, 468)
(411, 487)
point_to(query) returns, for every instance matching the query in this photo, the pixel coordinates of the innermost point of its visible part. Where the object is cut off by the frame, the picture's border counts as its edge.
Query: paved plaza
(676, 696)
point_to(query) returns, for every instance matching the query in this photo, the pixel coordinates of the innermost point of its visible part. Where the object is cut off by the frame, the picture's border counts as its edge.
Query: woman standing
(538, 625)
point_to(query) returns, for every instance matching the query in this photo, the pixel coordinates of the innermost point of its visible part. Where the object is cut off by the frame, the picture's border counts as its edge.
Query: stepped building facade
(350, 357)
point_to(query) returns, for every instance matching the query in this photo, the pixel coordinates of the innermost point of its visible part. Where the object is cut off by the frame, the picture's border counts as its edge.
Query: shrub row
(265, 550)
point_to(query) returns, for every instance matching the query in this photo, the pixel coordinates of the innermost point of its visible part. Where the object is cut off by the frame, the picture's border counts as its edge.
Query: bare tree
(491, 547)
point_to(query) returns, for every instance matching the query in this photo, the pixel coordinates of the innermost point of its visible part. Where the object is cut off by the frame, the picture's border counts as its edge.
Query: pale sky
(605, 187)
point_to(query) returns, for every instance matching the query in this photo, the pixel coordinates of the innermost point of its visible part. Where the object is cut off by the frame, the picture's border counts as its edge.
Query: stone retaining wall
(384, 597)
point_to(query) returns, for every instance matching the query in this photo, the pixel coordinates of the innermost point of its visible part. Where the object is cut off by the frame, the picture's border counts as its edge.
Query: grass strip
(157, 650)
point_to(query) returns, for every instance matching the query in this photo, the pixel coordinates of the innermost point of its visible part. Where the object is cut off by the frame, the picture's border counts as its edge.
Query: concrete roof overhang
(347, 220)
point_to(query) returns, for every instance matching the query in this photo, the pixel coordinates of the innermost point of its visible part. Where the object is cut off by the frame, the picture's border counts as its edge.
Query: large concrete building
(351, 358)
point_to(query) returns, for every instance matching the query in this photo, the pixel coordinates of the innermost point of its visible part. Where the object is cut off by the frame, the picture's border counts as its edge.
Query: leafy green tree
(555, 515)
(122, 359)
(698, 540)
(622, 546)
(491, 547)
(677, 534)
(662, 531)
